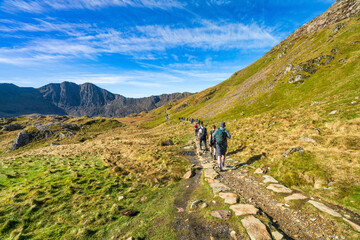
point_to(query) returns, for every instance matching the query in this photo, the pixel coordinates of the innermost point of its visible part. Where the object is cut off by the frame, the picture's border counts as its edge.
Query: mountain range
(68, 98)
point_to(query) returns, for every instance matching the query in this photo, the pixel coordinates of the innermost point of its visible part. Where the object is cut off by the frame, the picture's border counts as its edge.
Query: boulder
(292, 151)
(195, 203)
(244, 209)
(327, 59)
(21, 139)
(337, 27)
(354, 225)
(334, 112)
(230, 198)
(129, 213)
(298, 79)
(334, 51)
(269, 179)
(279, 188)
(219, 187)
(188, 175)
(167, 143)
(305, 67)
(306, 139)
(255, 228)
(295, 196)
(322, 207)
(12, 127)
(342, 60)
(222, 214)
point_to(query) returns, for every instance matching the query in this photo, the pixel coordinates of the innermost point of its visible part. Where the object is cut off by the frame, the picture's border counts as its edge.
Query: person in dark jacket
(203, 135)
(212, 143)
(221, 135)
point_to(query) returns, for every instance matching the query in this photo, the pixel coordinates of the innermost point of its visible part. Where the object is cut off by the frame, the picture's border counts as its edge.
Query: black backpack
(203, 133)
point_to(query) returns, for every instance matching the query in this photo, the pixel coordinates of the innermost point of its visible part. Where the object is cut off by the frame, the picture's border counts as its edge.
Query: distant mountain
(73, 99)
(15, 101)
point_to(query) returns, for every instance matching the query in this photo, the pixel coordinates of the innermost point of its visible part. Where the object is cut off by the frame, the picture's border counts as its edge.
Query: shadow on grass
(255, 158)
(242, 147)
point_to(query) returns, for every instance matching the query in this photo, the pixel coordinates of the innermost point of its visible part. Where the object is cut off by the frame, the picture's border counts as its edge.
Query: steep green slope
(306, 87)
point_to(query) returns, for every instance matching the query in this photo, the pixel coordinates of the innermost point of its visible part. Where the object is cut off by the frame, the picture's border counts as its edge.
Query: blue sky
(140, 48)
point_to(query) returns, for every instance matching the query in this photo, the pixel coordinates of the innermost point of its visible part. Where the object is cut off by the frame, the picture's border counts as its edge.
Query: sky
(139, 48)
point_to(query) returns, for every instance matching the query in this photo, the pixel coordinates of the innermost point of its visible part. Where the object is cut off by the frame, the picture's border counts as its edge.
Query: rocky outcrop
(12, 127)
(339, 11)
(37, 132)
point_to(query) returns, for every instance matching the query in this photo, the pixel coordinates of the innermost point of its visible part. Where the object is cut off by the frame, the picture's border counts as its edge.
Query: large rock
(269, 179)
(229, 198)
(337, 27)
(322, 207)
(188, 175)
(255, 228)
(12, 127)
(279, 188)
(210, 173)
(298, 78)
(292, 151)
(295, 196)
(305, 67)
(244, 209)
(21, 139)
(354, 225)
(307, 139)
(219, 187)
(222, 214)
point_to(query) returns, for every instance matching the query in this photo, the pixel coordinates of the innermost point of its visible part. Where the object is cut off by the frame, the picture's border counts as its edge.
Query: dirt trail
(190, 226)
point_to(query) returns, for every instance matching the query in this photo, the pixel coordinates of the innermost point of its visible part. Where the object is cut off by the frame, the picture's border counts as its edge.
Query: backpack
(203, 133)
(220, 136)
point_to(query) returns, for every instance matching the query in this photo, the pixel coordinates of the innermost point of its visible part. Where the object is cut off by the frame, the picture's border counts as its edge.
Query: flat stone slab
(222, 214)
(255, 228)
(277, 235)
(210, 181)
(219, 187)
(230, 198)
(244, 209)
(210, 173)
(279, 188)
(354, 225)
(295, 196)
(208, 165)
(322, 207)
(269, 179)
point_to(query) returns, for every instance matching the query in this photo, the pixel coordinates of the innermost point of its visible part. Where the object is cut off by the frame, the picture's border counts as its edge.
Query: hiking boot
(214, 157)
(220, 169)
(222, 163)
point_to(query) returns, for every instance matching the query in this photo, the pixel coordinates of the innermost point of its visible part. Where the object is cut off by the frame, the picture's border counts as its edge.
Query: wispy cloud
(141, 42)
(38, 6)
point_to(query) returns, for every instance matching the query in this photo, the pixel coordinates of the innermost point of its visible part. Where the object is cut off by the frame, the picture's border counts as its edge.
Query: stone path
(322, 207)
(254, 227)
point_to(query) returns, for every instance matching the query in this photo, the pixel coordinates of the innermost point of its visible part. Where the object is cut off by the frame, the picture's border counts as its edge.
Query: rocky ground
(269, 210)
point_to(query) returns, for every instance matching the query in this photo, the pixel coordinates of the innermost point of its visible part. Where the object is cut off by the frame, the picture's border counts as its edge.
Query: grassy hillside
(267, 112)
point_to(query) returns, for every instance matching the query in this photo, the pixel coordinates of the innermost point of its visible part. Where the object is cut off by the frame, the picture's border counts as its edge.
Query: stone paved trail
(188, 225)
(266, 197)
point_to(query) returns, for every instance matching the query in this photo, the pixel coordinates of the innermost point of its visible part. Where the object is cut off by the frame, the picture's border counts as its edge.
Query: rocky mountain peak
(339, 11)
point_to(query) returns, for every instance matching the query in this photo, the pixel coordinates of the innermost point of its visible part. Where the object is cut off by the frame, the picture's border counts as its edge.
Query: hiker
(212, 143)
(203, 135)
(196, 129)
(221, 135)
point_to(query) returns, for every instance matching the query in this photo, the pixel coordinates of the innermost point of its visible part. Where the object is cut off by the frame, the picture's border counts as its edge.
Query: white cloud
(38, 6)
(141, 42)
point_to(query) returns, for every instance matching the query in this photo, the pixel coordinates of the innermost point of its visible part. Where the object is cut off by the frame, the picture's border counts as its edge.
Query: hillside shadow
(255, 158)
(242, 147)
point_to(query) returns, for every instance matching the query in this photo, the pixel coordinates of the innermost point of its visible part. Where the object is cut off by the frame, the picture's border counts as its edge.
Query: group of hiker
(217, 140)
